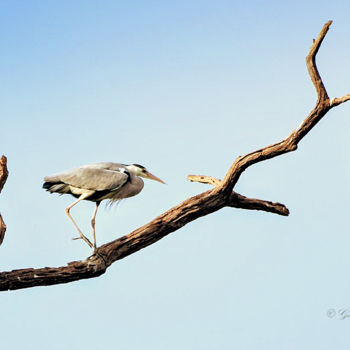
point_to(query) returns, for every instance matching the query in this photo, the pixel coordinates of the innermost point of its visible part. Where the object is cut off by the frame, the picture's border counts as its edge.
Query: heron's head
(141, 171)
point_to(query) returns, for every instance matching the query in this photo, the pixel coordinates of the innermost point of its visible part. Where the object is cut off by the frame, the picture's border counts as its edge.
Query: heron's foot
(97, 254)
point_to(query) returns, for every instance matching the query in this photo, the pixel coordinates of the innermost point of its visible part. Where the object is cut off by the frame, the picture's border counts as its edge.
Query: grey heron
(96, 182)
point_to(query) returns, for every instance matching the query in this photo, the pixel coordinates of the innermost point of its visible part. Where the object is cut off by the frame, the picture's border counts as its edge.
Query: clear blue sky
(183, 88)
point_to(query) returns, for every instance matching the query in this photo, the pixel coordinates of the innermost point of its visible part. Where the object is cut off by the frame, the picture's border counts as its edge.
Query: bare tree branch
(2, 229)
(3, 172)
(323, 105)
(191, 209)
(337, 101)
(204, 179)
(3, 178)
(236, 200)
(311, 64)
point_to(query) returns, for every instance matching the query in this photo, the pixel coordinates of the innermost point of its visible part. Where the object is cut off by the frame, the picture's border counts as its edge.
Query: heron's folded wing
(91, 178)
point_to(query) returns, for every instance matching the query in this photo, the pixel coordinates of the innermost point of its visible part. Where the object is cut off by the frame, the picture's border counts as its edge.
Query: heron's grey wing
(105, 165)
(91, 178)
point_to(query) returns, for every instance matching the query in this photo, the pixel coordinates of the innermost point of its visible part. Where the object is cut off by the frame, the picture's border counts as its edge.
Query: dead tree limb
(220, 196)
(3, 177)
(236, 200)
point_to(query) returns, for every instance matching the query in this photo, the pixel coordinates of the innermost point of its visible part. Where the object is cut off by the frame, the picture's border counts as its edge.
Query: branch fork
(222, 195)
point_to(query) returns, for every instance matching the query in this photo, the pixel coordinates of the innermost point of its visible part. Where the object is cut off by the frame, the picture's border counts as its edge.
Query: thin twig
(338, 100)
(204, 179)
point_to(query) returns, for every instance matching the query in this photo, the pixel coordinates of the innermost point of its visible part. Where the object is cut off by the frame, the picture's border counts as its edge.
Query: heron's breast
(130, 189)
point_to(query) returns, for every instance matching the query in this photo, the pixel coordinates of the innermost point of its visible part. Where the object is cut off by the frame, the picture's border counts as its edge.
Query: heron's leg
(93, 224)
(83, 196)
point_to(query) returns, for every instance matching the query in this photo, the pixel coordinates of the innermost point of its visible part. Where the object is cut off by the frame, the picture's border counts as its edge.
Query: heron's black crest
(139, 166)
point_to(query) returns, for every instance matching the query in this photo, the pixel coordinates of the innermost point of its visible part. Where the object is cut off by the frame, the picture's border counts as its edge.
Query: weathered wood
(77, 270)
(3, 172)
(220, 196)
(236, 200)
(3, 177)
(2, 229)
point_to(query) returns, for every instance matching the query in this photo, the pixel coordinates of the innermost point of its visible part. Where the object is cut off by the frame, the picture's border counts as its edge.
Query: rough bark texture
(3, 178)
(220, 196)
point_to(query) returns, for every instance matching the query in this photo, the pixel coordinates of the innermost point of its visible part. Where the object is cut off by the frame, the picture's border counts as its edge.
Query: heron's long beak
(152, 177)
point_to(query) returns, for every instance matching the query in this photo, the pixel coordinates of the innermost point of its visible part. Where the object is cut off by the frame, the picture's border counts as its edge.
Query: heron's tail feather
(58, 187)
